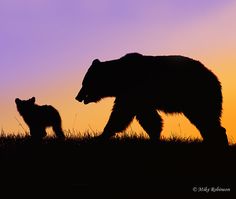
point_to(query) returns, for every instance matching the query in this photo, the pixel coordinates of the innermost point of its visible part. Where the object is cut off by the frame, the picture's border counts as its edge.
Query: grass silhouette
(123, 164)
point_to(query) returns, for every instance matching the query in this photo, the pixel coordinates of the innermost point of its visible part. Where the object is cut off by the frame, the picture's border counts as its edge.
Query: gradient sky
(46, 47)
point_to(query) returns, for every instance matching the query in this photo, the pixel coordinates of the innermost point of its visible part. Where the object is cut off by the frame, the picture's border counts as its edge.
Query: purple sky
(40, 38)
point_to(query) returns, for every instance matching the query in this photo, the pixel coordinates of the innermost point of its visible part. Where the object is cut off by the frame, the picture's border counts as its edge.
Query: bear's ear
(96, 61)
(32, 100)
(17, 100)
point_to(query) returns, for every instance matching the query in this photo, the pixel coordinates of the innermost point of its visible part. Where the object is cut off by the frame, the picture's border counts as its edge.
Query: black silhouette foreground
(127, 167)
(144, 84)
(38, 118)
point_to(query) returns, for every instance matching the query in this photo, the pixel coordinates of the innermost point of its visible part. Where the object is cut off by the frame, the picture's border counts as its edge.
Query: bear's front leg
(120, 118)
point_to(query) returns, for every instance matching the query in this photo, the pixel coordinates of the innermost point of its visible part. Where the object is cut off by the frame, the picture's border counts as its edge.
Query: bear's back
(138, 68)
(41, 114)
(169, 63)
(46, 111)
(164, 73)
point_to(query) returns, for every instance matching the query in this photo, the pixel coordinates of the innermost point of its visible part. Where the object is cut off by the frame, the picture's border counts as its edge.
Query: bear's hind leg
(151, 122)
(214, 135)
(210, 128)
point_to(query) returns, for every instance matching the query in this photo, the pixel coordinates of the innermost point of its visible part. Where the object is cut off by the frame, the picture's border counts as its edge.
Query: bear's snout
(79, 98)
(81, 95)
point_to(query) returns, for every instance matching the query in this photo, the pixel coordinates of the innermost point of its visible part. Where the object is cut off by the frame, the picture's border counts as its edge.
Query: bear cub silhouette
(38, 118)
(143, 85)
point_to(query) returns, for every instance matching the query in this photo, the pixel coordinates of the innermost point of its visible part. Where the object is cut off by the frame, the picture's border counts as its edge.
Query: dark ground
(132, 167)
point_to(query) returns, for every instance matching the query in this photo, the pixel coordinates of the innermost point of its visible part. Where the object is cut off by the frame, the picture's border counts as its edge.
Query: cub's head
(23, 106)
(93, 84)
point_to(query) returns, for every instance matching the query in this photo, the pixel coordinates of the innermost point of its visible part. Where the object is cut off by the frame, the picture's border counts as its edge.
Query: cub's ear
(17, 100)
(32, 100)
(96, 61)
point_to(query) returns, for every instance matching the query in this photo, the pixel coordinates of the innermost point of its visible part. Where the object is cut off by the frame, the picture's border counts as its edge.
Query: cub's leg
(58, 131)
(37, 133)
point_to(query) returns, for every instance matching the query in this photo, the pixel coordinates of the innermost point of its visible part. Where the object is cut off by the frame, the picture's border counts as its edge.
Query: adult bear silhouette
(143, 84)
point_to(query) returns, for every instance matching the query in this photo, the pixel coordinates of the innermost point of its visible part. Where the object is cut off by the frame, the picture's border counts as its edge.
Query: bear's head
(94, 84)
(24, 106)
